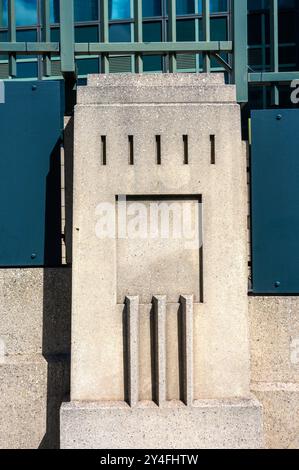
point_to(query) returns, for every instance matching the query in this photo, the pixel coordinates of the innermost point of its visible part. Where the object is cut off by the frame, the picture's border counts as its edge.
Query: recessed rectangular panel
(161, 253)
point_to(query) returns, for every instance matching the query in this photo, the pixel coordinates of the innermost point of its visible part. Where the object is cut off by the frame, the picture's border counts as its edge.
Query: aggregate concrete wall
(34, 378)
(34, 362)
(274, 338)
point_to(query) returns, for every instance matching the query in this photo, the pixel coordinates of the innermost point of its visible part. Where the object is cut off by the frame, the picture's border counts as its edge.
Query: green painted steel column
(67, 36)
(240, 50)
(172, 32)
(138, 33)
(1, 13)
(46, 35)
(12, 37)
(104, 19)
(206, 33)
(274, 53)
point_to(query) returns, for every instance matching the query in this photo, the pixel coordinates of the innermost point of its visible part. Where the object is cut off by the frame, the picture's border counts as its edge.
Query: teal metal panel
(275, 201)
(30, 206)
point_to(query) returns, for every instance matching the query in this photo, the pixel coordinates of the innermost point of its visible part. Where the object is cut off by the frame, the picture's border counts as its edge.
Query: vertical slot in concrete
(131, 149)
(158, 150)
(186, 149)
(186, 349)
(213, 149)
(104, 150)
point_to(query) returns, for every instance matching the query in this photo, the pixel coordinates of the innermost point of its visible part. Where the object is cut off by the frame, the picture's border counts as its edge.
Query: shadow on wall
(57, 292)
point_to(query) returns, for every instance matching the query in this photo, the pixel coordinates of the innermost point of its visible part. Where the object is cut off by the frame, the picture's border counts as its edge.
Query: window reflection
(26, 12)
(119, 9)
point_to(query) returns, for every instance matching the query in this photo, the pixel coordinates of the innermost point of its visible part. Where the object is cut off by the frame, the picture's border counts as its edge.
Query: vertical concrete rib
(159, 302)
(132, 305)
(187, 348)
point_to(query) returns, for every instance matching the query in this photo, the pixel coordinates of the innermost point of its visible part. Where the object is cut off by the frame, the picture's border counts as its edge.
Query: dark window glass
(55, 34)
(287, 27)
(119, 9)
(86, 34)
(120, 33)
(287, 57)
(27, 69)
(151, 8)
(185, 30)
(86, 66)
(185, 7)
(54, 11)
(26, 35)
(215, 6)
(152, 63)
(218, 29)
(258, 4)
(152, 31)
(86, 10)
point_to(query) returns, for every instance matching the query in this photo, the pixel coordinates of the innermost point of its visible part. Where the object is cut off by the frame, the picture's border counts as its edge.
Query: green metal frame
(68, 49)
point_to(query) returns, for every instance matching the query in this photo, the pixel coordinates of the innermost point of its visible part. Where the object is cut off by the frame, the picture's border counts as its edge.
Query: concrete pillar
(159, 311)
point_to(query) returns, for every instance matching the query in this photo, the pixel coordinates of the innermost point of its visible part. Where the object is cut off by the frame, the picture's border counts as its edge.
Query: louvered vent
(120, 64)
(4, 71)
(186, 62)
(56, 68)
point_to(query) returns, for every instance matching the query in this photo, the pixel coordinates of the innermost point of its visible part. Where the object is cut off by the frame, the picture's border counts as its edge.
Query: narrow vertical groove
(213, 149)
(159, 303)
(131, 149)
(186, 149)
(132, 305)
(104, 150)
(158, 150)
(187, 348)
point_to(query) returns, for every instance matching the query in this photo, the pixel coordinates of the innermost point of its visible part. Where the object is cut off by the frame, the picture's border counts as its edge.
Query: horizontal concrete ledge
(207, 424)
(155, 79)
(156, 94)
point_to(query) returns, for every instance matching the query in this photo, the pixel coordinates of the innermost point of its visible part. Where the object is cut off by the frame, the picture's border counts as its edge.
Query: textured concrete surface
(221, 368)
(34, 372)
(274, 338)
(208, 424)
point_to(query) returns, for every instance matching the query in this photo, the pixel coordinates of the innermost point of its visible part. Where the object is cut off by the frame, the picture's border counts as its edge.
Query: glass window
(86, 10)
(119, 9)
(185, 7)
(120, 33)
(152, 63)
(151, 8)
(258, 4)
(152, 31)
(218, 29)
(54, 11)
(26, 12)
(86, 34)
(86, 66)
(185, 30)
(215, 6)
(27, 69)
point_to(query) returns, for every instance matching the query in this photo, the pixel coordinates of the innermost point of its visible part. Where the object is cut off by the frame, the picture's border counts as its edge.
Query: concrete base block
(235, 424)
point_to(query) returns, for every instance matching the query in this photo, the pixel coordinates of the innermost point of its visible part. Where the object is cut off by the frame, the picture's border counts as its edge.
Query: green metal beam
(1, 13)
(12, 36)
(153, 47)
(138, 33)
(67, 36)
(46, 35)
(272, 77)
(104, 34)
(206, 33)
(172, 32)
(274, 48)
(240, 54)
